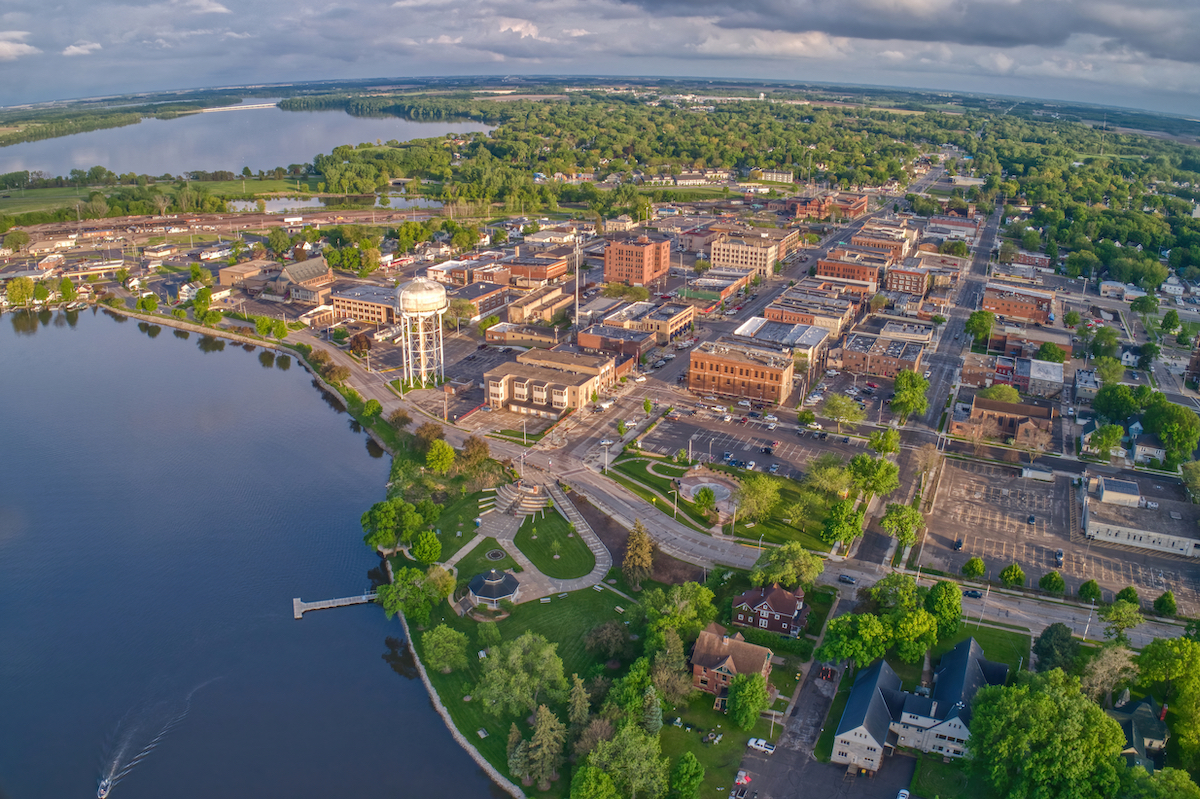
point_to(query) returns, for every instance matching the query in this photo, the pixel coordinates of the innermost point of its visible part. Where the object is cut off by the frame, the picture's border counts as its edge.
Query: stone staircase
(512, 500)
(583, 529)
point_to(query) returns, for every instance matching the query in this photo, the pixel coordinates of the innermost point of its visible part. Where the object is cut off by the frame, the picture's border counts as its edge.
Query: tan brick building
(1021, 304)
(911, 280)
(740, 371)
(373, 304)
(876, 355)
(637, 262)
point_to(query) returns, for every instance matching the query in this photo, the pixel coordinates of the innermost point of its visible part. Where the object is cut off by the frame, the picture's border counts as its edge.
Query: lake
(260, 138)
(163, 497)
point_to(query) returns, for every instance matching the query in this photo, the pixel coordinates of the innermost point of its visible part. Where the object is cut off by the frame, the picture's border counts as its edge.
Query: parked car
(1058, 558)
(928, 372)
(640, 379)
(753, 414)
(606, 442)
(958, 545)
(750, 466)
(845, 439)
(726, 418)
(774, 468)
(872, 385)
(761, 745)
(1032, 519)
(743, 403)
(772, 426)
(847, 579)
(728, 456)
(903, 794)
(770, 417)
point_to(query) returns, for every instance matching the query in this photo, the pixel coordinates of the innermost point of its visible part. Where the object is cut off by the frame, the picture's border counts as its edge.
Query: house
(188, 291)
(1087, 385)
(1133, 429)
(1147, 447)
(1085, 439)
(717, 658)
(772, 608)
(1145, 730)
(879, 716)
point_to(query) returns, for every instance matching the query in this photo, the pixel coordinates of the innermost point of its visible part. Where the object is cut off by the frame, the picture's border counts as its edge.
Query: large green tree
(1043, 738)
(445, 649)
(1119, 617)
(885, 441)
(902, 522)
(748, 698)
(686, 777)
(979, 325)
(862, 638)
(757, 496)
(546, 747)
(638, 564)
(1000, 392)
(842, 410)
(686, 608)
(790, 565)
(1056, 648)
(874, 475)
(440, 457)
(635, 763)
(944, 601)
(843, 524)
(520, 674)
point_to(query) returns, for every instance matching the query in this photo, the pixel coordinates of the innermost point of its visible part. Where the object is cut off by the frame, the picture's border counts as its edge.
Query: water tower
(420, 305)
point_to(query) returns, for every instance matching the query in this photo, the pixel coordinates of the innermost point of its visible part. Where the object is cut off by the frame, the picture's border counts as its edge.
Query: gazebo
(492, 587)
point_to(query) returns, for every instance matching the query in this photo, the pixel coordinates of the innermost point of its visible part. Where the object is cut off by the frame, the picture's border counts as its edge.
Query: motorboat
(105, 787)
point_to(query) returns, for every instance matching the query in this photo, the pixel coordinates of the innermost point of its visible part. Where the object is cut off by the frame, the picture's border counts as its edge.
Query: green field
(1003, 646)
(475, 562)
(721, 761)
(635, 469)
(933, 778)
(27, 200)
(574, 557)
(459, 517)
(562, 620)
(642, 491)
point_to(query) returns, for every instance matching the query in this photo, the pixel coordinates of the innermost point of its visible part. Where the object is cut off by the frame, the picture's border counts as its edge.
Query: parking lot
(873, 399)
(989, 507)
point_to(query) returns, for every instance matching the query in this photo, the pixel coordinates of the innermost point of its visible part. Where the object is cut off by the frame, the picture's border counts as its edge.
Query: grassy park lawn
(645, 493)
(820, 602)
(563, 621)
(1003, 646)
(575, 559)
(947, 780)
(721, 761)
(824, 748)
(775, 530)
(475, 562)
(459, 517)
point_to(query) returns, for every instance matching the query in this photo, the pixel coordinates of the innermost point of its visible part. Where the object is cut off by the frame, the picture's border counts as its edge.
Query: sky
(1115, 52)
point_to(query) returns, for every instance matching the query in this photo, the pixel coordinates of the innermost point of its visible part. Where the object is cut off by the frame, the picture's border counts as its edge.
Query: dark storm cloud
(1159, 28)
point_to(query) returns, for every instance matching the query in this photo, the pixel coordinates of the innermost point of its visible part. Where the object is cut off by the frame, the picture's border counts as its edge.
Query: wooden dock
(300, 607)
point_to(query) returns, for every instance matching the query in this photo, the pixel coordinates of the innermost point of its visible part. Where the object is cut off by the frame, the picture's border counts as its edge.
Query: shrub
(1052, 582)
(1012, 576)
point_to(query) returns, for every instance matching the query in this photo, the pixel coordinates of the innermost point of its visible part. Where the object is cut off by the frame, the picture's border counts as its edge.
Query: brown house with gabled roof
(717, 658)
(773, 609)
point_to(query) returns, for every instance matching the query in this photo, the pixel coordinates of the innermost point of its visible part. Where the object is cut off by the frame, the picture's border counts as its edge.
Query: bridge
(249, 107)
(300, 607)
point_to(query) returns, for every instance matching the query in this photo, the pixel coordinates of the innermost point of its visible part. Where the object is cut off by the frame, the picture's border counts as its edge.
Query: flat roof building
(606, 338)
(1116, 512)
(365, 303)
(863, 353)
(637, 261)
(1012, 302)
(730, 369)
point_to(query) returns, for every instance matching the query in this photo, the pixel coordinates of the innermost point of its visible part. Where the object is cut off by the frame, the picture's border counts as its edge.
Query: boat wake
(135, 726)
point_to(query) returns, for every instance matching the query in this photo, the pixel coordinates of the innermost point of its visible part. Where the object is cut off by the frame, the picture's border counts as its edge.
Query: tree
(489, 633)
(1191, 477)
(1176, 426)
(1105, 439)
(426, 548)
(460, 309)
(938, 320)
(20, 290)
(1056, 648)
(1050, 352)
(705, 500)
(874, 475)
(686, 777)
(974, 568)
(1119, 617)
(1148, 353)
(474, 454)
(379, 526)
(634, 761)
(1109, 370)
(1115, 402)
(827, 474)
(440, 582)
(1164, 783)
(518, 755)
(1043, 738)
(842, 410)
(16, 240)
(409, 592)
(1128, 594)
(66, 290)
(843, 524)
(902, 523)
(372, 409)
(445, 649)
(1052, 583)
(578, 704)
(1012, 576)
(862, 637)
(590, 782)
(944, 601)
(1072, 319)
(895, 591)
(686, 608)
(639, 556)
(913, 634)
(911, 397)
(748, 698)
(805, 417)
(979, 325)
(878, 302)
(1104, 342)
(928, 458)
(488, 322)
(757, 496)
(884, 442)
(1110, 666)
(546, 747)
(426, 434)
(647, 405)
(790, 565)
(652, 719)
(608, 638)
(1170, 322)
(1144, 306)
(278, 241)
(670, 674)
(1165, 605)
(519, 674)
(439, 457)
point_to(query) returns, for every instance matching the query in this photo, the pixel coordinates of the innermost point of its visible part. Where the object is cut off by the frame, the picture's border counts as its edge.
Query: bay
(260, 138)
(163, 497)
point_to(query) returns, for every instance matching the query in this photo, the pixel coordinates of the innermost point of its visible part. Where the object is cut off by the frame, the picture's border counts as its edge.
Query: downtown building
(637, 261)
(742, 371)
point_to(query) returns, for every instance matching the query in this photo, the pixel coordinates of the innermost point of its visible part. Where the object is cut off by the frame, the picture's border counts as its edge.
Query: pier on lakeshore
(300, 607)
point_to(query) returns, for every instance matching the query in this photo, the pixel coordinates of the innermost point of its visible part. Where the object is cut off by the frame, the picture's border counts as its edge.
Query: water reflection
(183, 334)
(283, 362)
(24, 323)
(400, 658)
(373, 449)
(153, 331)
(355, 427)
(72, 318)
(267, 359)
(46, 316)
(248, 347)
(116, 317)
(59, 320)
(332, 400)
(211, 344)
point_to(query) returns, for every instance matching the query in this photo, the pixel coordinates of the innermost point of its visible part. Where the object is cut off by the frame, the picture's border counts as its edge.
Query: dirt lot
(666, 568)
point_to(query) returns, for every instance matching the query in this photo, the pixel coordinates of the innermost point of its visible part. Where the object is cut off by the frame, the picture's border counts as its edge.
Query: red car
(872, 385)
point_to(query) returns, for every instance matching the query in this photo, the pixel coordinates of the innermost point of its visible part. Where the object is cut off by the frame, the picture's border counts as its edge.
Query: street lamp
(675, 491)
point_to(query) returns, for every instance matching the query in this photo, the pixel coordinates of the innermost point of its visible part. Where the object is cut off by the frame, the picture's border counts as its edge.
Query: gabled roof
(868, 706)
(963, 671)
(715, 649)
(1139, 721)
(306, 270)
(776, 599)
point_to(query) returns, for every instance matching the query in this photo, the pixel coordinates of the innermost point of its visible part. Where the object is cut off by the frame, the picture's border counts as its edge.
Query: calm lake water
(163, 496)
(262, 138)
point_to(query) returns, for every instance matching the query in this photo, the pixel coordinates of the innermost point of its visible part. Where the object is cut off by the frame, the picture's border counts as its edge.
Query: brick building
(485, 298)
(638, 261)
(373, 304)
(1021, 304)
(606, 338)
(773, 609)
(540, 305)
(742, 371)
(909, 279)
(718, 657)
(758, 254)
(876, 355)
(798, 306)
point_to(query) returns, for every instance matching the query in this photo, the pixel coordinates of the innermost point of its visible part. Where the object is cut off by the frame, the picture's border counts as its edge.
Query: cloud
(12, 45)
(206, 7)
(82, 48)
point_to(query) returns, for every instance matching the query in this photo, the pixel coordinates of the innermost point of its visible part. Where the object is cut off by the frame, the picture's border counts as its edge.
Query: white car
(928, 372)
(670, 356)
(750, 466)
(608, 442)
(772, 426)
(761, 745)
(814, 425)
(640, 379)
(770, 417)
(726, 418)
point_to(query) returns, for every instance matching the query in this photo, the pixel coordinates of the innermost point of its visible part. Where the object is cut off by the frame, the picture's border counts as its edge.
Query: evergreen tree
(546, 748)
(579, 704)
(652, 719)
(686, 777)
(639, 556)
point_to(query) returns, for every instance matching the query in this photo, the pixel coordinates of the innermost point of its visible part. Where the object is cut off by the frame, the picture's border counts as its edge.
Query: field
(20, 201)
(635, 469)
(23, 201)
(476, 562)
(574, 557)
(459, 517)
(721, 760)
(775, 530)
(947, 780)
